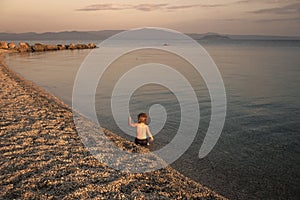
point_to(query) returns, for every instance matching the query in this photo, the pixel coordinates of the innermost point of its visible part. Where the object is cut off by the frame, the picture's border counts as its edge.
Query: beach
(42, 156)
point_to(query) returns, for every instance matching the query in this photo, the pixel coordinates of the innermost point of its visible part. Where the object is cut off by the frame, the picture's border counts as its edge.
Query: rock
(72, 46)
(24, 47)
(11, 45)
(91, 46)
(39, 47)
(81, 46)
(51, 47)
(3, 45)
(61, 47)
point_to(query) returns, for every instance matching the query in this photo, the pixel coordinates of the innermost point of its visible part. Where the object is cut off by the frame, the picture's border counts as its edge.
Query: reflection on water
(55, 71)
(257, 155)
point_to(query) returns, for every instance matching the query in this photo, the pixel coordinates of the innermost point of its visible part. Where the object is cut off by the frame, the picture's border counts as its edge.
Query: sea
(257, 155)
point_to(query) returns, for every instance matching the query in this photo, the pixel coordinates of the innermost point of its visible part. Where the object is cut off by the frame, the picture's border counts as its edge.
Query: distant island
(215, 37)
(104, 34)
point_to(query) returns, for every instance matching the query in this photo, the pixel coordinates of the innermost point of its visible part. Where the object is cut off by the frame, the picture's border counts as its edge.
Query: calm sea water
(258, 154)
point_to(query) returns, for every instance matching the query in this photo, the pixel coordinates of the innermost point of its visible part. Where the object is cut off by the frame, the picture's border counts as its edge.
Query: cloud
(287, 9)
(242, 1)
(182, 7)
(293, 19)
(234, 20)
(149, 7)
(145, 7)
(193, 6)
(267, 1)
(95, 7)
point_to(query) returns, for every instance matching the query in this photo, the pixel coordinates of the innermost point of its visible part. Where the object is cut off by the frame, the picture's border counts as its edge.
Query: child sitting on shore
(142, 129)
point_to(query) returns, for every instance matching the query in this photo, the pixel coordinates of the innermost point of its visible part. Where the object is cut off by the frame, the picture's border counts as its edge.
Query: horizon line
(216, 33)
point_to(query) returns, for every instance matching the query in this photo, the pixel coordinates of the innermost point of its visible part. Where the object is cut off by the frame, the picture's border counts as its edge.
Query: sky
(260, 17)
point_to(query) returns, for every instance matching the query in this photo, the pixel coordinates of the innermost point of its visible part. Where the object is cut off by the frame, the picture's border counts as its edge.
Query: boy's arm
(149, 133)
(130, 122)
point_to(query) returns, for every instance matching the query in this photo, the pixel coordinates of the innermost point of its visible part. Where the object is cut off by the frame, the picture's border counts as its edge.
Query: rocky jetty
(25, 47)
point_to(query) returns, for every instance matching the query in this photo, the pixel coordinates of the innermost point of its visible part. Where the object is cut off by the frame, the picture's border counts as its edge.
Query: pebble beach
(42, 156)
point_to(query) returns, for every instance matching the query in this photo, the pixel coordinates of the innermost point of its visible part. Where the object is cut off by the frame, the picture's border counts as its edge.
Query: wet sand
(42, 156)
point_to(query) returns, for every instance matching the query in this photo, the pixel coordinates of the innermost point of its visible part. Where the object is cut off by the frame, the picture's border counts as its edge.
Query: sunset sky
(264, 17)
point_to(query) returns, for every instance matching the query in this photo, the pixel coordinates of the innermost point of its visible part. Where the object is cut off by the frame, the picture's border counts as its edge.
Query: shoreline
(42, 155)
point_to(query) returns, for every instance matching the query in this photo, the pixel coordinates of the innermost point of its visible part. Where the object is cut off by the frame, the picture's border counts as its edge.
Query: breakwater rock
(25, 47)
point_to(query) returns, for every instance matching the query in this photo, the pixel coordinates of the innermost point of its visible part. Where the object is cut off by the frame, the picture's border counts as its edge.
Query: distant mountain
(215, 37)
(66, 35)
(262, 37)
(201, 36)
(101, 35)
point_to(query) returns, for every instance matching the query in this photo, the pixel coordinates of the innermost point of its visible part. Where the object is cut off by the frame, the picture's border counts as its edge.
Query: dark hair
(142, 118)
